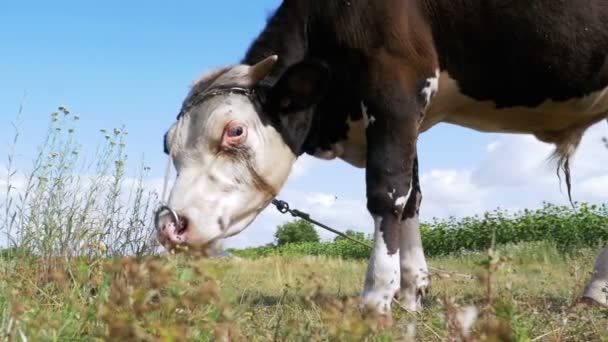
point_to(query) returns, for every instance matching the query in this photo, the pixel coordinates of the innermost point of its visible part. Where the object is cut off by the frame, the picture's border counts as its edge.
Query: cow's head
(233, 146)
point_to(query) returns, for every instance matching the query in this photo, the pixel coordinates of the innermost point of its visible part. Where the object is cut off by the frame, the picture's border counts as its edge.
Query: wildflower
(64, 110)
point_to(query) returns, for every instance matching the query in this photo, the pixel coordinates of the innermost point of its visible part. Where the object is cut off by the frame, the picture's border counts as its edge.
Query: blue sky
(130, 63)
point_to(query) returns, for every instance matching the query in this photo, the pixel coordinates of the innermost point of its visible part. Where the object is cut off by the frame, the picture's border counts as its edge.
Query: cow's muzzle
(170, 226)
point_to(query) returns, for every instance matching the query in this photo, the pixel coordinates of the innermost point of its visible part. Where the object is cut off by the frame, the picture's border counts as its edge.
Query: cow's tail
(565, 147)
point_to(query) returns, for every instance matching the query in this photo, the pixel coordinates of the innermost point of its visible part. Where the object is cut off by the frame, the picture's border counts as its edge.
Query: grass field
(528, 297)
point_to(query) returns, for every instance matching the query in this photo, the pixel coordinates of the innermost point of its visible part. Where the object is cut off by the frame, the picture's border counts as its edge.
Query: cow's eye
(234, 134)
(235, 131)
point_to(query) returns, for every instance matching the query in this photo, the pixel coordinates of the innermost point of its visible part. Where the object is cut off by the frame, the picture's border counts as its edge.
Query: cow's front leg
(414, 270)
(597, 287)
(391, 139)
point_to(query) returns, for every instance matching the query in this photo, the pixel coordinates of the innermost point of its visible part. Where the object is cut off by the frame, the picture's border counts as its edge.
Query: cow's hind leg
(414, 270)
(597, 287)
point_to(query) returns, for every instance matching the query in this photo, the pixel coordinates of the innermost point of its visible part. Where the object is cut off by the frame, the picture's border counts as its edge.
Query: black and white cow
(360, 80)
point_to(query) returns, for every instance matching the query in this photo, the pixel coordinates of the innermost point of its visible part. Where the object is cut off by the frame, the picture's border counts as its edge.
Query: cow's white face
(233, 147)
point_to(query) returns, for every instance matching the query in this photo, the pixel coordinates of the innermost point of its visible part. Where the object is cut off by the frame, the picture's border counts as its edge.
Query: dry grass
(176, 299)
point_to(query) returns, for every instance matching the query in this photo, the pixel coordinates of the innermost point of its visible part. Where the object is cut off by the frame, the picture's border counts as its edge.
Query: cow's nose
(170, 225)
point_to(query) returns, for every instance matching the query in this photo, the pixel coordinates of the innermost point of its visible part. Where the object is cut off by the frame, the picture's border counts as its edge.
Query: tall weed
(70, 204)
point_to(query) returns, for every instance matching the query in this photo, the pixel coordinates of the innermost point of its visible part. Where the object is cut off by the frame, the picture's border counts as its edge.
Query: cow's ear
(301, 86)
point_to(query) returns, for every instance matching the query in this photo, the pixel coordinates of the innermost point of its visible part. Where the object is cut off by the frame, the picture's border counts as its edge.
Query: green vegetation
(298, 231)
(79, 265)
(565, 228)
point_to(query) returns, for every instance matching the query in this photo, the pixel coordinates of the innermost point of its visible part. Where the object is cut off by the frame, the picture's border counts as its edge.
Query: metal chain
(283, 208)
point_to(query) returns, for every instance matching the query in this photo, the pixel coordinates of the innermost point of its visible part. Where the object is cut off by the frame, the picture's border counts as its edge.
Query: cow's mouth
(170, 225)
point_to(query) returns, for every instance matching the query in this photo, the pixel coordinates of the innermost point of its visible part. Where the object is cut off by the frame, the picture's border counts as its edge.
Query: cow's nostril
(182, 225)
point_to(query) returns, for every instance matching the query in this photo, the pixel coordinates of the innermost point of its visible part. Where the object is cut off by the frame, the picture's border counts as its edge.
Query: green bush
(341, 249)
(298, 231)
(567, 228)
(351, 233)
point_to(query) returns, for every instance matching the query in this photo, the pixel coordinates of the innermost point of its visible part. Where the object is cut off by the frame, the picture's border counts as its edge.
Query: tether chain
(283, 208)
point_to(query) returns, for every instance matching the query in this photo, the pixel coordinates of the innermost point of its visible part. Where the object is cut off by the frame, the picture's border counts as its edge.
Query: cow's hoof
(412, 300)
(596, 292)
(376, 302)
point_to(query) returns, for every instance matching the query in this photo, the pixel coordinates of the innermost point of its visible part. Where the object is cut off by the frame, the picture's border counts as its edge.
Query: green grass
(290, 298)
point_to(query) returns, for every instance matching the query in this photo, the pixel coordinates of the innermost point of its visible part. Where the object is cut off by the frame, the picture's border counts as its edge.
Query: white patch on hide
(383, 275)
(431, 88)
(402, 200)
(365, 114)
(451, 106)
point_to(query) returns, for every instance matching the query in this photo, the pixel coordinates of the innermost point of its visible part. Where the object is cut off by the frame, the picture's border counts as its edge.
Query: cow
(360, 80)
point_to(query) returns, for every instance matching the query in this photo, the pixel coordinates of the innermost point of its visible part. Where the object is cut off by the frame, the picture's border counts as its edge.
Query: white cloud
(450, 193)
(492, 146)
(512, 161)
(515, 173)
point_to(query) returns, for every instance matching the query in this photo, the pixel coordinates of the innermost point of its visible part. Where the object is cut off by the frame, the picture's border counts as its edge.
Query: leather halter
(206, 95)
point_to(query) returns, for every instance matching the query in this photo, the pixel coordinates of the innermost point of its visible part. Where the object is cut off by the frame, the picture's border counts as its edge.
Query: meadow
(525, 292)
(79, 263)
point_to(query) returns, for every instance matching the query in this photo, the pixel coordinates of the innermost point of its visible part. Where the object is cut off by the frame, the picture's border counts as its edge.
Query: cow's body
(403, 66)
(397, 68)
(505, 66)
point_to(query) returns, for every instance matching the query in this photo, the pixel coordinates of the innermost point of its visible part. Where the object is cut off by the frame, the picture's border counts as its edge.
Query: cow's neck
(297, 30)
(284, 35)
